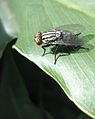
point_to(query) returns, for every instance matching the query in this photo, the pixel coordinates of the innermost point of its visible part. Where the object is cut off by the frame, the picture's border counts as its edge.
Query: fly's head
(38, 38)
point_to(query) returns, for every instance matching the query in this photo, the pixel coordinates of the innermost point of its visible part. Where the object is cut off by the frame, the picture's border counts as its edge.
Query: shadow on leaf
(67, 50)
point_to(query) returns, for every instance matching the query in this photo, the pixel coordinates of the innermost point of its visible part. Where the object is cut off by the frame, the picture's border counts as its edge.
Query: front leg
(55, 53)
(46, 45)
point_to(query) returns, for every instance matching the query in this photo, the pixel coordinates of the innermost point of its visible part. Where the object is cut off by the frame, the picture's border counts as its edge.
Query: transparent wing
(75, 42)
(75, 28)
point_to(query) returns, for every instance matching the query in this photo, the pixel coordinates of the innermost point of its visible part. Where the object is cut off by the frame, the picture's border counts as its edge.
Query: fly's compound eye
(38, 33)
(38, 41)
(38, 38)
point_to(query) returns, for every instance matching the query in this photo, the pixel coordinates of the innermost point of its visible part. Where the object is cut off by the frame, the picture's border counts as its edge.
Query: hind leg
(77, 34)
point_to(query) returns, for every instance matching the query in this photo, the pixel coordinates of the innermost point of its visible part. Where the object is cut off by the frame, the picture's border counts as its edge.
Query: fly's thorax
(38, 38)
(58, 34)
(50, 36)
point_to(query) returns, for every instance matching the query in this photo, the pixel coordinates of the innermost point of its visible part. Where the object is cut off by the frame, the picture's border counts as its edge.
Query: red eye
(38, 33)
(38, 42)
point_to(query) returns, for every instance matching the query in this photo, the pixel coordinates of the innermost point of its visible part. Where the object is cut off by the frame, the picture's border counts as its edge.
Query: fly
(58, 37)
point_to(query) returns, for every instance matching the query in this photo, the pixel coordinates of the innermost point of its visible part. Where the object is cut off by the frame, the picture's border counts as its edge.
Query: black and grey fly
(58, 38)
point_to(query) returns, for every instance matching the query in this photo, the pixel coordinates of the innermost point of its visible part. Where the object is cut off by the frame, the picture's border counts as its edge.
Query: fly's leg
(55, 52)
(47, 45)
(67, 49)
(77, 34)
(84, 48)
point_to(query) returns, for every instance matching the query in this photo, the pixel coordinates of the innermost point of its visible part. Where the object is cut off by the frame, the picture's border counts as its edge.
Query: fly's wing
(75, 28)
(68, 41)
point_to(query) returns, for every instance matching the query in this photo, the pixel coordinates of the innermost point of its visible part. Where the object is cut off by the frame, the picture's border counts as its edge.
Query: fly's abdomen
(70, 38)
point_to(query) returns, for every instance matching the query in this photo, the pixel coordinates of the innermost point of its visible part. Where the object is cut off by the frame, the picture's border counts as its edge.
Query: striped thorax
(47, 37)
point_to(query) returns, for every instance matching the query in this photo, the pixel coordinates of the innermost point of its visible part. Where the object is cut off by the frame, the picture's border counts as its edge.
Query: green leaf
(8, 26)
(74, 73)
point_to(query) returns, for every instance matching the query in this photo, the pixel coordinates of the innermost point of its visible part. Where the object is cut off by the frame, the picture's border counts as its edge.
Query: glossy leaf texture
(75, 73)
(8, 26)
